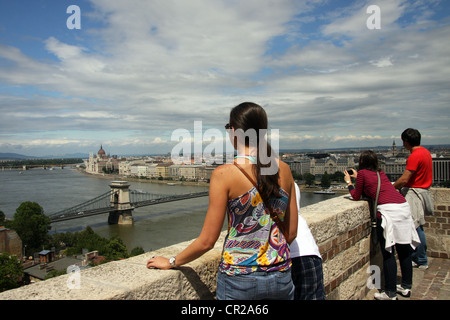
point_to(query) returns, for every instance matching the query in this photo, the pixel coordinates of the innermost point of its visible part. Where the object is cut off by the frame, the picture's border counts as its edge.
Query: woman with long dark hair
(257, 192)
(395, 227)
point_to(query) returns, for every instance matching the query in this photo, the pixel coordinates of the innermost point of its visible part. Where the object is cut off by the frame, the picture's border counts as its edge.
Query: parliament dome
(101, 152)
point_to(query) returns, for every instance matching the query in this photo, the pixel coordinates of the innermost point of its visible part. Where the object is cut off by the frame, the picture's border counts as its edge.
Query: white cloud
(382, 63)
(155, 66)
(63, 51)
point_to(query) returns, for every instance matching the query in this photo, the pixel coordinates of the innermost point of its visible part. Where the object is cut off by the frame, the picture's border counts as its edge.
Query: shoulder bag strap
(374, 236)
(375, 205)
(273, 215)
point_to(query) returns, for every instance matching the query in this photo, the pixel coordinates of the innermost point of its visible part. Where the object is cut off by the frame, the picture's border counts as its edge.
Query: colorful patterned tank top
(254, 242)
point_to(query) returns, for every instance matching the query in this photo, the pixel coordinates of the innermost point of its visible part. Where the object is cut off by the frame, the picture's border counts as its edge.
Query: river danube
(154, 227)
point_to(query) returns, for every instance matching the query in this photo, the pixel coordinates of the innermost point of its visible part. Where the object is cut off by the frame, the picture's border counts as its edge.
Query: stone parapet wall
(340, 226)
(129, 279)
(437, 227)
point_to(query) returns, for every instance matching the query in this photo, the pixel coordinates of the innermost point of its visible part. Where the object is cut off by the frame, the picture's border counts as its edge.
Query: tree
(11, 272)
(296, 176)
(2, 217)
(309, 178)
(115, 249)
(32, 225)
(55, 273)
(137, 251)
(112, 249)
(338, 176)
(87, 239)
(62, 240)
(325, 181)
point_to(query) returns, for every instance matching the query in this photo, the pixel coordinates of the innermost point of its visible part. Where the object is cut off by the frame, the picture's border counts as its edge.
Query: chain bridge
(119, 202)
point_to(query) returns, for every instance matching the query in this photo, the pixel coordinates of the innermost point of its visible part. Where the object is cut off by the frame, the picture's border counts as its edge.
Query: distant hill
(15, 156)
(67, 156)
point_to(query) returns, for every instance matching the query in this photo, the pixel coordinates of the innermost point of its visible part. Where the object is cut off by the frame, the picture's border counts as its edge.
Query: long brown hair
(368, 160)
(249, 115)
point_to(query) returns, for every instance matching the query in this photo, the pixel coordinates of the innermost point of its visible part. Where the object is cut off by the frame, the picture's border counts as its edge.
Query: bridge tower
(121, 209)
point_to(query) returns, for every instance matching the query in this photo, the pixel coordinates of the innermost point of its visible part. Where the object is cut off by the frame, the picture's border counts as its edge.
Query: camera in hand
(350, 171)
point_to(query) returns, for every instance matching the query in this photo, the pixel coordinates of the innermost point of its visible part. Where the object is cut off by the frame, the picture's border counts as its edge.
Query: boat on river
(325, 191)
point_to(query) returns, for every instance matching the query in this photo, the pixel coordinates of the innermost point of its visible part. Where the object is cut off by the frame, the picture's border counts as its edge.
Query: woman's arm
(357, 191)
(406, 176)
(218, 197)
(291, 215)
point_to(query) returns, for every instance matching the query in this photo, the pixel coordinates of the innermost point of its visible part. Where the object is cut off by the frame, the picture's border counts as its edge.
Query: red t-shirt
(421, 163)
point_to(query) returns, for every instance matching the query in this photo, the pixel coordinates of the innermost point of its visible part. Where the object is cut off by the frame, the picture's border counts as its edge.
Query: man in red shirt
(414, 184)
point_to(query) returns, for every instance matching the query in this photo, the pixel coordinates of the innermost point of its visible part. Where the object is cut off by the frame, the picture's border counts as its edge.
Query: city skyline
(127, 74)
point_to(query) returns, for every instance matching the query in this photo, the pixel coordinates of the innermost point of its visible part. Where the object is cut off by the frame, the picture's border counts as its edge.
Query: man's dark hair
(412, 136)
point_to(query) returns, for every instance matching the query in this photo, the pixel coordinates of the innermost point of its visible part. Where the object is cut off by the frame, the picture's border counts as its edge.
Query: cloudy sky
(138, 70)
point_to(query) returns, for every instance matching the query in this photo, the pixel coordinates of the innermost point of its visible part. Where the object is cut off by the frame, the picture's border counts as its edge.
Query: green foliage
(309, 179)
(32, 225)
(109, 170)
(112, 249)
(41, 162)
(137, 251)
(338, 176)
(62, 240)
(296, 176)
(115, 249)
(86, 239)
(325, 182)
(2, 218)
(55, 273)
(11, 272)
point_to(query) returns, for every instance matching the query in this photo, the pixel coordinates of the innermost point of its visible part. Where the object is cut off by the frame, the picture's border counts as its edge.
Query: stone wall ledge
(129, 279)
(340, 226)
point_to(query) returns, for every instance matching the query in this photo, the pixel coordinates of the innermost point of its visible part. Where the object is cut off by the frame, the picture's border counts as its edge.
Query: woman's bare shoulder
(223, 170)
(224, 167)
(284, 167)
(285, 176)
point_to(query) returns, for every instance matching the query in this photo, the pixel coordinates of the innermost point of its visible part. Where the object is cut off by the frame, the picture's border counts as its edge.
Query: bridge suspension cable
(105, 203)
(141, 199)
(99, 203)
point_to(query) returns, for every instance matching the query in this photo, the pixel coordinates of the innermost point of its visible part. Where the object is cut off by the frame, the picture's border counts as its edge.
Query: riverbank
(303, 188)
(131, 179)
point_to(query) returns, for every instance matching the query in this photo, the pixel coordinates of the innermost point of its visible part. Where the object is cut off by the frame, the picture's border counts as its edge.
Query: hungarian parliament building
(156, 167)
